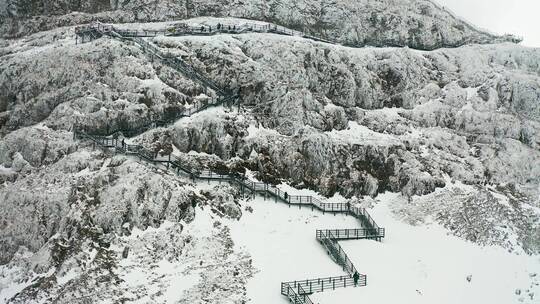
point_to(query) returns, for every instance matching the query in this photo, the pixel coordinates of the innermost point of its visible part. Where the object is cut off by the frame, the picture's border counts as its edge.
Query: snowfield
(424, 264)
(281, 241)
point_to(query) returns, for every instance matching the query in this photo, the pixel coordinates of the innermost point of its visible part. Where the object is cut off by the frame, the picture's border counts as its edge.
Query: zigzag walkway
(296, 291)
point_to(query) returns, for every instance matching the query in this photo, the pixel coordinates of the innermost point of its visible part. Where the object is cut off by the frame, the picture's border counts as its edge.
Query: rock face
(65, 228)
(334, 119)
(419, 24)
(370, 120)
(27, 8)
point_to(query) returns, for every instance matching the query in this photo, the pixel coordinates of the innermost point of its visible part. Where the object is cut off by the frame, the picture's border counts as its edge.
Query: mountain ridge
(420, 24)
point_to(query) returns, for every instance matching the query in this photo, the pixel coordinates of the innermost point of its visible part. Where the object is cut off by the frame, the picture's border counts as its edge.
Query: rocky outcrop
(399, 120)
(100, 91)
(35, 146)
(353, 121)
(500, 215)
(26, 8)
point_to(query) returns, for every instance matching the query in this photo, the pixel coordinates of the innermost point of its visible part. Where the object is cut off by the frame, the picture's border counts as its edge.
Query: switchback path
(296, 291)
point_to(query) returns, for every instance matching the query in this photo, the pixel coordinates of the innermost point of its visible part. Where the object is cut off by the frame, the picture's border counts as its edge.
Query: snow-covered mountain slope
(92, 226)
(418, 24)
(452, 133)
(441, 112)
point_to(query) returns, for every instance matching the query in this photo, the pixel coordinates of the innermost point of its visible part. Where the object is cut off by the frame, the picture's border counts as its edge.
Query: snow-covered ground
(359, 134)
(175, 277)
(424, 264)
(281, 241)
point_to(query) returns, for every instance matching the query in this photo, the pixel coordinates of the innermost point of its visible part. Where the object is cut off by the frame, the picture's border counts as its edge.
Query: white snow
(175, 279)
(209, 114)
(471, 92)
(9, 283)
(259, 131)
(68, 276)
(359, 134)
(424, 264)
(282, 242)
(4, 170)
(387, 112)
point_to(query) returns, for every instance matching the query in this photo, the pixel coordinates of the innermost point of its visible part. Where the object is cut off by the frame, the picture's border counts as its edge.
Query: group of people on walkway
(220, 27)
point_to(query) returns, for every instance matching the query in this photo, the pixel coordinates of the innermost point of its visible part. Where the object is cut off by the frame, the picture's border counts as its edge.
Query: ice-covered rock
(334, 119)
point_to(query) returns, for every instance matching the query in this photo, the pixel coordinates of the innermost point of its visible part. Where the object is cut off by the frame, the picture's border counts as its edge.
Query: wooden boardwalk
(296, 291)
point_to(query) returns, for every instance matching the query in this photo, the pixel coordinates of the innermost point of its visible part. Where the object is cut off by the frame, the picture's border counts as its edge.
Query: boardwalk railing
(361, 213)
(295, 297)
(322, 284)
(337, 253)
(183, 29)
(352, 234)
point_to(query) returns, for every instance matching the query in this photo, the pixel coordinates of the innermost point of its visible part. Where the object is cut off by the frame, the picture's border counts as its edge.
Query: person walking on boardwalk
(355, 277)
